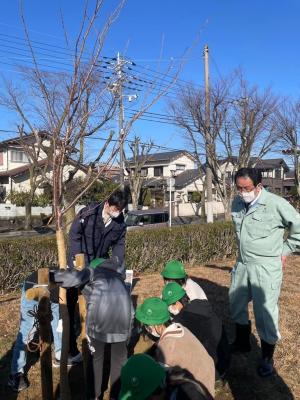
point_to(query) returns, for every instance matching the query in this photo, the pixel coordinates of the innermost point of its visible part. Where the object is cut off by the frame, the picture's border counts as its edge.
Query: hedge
(146, 250)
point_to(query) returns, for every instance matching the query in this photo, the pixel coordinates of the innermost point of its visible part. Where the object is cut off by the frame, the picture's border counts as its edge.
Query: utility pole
(121, 117)
(208, 144)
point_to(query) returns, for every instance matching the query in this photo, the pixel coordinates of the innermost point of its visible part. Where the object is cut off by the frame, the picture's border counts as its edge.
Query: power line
(141, 143)
(112, 140)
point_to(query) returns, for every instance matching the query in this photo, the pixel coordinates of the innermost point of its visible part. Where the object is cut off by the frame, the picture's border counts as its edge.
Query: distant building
(14, 166)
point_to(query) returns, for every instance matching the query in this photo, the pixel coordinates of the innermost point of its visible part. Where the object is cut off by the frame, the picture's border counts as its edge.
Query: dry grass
(242, 382)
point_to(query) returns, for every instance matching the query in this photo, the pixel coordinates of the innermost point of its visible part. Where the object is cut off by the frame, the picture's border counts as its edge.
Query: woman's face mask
(152, 331)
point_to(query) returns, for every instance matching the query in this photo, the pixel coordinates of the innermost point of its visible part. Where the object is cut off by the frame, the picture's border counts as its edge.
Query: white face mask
(173, 310)
(114, 214)
(152, 331)
(248, 197)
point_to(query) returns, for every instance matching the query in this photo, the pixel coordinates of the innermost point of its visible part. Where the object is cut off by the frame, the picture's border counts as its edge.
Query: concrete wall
(188, 209)
(8, 211)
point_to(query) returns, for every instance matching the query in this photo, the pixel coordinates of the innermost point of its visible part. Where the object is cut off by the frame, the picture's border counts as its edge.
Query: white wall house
(157, 170)
(14, 167)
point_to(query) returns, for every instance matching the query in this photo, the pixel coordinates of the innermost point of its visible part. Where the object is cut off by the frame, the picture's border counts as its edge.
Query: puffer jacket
(109, 308)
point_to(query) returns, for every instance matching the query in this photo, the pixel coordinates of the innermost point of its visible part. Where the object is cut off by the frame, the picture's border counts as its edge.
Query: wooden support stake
(65, 393)
(44, 317)
(79, 265)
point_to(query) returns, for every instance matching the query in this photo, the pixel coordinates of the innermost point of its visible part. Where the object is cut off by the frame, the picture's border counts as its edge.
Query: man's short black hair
(253, 173)
(118, 199)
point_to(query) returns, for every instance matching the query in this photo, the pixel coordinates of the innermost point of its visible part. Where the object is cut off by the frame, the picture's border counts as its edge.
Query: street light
(171, 183)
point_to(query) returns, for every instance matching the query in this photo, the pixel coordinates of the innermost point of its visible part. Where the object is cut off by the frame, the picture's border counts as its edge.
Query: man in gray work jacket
(260, 219)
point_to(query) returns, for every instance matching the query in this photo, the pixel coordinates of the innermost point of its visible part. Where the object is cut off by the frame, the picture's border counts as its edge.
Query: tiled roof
(166, 156)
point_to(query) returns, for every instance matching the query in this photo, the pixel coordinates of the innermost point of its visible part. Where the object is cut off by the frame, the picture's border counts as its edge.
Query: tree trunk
(134, 199)
(69, 218)
(203, 214)
(28, 216)
(62, 260)
(227, 208)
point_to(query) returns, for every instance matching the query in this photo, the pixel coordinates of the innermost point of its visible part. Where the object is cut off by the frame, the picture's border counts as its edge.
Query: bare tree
(71, 107)
(288, 129)
(252, 121)
(240, 127)
(135, 166)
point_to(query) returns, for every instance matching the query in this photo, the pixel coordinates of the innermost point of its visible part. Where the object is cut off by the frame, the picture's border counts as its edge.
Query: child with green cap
(143, 378)
(176, 345)
(174, 271)
(199, 317)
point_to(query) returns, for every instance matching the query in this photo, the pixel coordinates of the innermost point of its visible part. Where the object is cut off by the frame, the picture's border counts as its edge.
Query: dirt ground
(242, 382)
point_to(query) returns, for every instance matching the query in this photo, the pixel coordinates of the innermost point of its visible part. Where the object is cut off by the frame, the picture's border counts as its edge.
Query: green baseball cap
(153, 311)
(140, 377)
(96, 262)
(172, 292)
(174, 269)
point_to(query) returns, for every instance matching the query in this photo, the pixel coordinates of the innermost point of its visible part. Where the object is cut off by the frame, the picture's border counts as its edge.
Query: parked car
(146, 218)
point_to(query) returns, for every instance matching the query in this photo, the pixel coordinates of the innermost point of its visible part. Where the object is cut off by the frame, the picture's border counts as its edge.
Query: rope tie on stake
(40, 315)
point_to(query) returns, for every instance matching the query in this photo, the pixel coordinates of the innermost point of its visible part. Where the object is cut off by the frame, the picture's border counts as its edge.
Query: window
(278, 173)
(1, 157)
(158, 218)
(168, 196)
(158, 171)
(180, 167)
(145, 219)
(4, 180)
(144, 171)
(18, 156)
(229, 174)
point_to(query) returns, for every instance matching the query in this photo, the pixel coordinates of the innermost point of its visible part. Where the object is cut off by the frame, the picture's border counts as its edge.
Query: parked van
(146, 218)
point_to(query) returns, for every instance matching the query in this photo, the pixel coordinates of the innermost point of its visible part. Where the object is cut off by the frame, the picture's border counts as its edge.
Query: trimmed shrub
(146, 250)
(20, 257)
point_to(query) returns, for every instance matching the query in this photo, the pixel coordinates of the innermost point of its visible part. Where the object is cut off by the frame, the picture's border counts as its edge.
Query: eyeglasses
(245, 189)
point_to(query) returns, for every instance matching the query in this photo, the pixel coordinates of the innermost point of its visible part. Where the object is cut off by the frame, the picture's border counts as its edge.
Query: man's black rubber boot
(266, 366)
(242, 339)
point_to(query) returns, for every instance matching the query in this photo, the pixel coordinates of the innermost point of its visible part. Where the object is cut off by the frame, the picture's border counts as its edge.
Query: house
(180, 164)
(158, 167)
(15, 167)
(276, 175)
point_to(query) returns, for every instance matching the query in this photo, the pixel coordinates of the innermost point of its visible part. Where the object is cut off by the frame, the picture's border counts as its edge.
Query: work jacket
(260, 230)
(89, 235)
(109, 309)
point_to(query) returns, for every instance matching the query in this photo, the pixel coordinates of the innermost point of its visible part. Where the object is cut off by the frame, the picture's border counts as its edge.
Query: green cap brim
(97, 262)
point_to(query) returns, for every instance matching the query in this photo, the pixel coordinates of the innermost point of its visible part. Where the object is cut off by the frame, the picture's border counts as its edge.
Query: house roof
(108, 172)
(20, 170)
(269, 163)
(186, 177)
(166, 156)
(30, 139)
(16, 141)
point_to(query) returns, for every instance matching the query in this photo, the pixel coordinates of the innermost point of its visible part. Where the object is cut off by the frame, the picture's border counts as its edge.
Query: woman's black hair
(253, 173)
